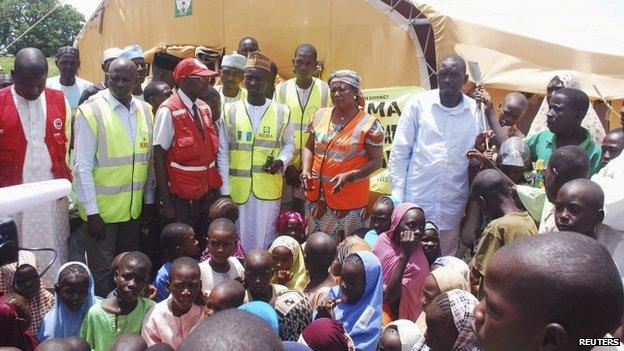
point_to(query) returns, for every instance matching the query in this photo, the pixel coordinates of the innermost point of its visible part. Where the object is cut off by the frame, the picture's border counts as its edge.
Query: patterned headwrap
(462, 307)
(294, 312)
(282, 220)
(353, 79)
(257, 60)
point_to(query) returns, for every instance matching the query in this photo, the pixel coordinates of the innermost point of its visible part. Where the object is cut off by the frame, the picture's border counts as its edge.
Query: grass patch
(7, 65)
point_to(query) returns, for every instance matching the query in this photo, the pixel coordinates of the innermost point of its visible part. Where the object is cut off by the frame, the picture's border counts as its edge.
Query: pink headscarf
(416, 271)
(284, 217)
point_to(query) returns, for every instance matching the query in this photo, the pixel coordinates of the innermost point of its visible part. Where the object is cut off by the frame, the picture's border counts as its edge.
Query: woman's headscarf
(353, 79)
(591, 121)
(40, 304)
(362, 319)
(263, 311)
(416, 270)
(462, 307)
(326, 334)
(408, 333)
(294, 312)
(284, 217)
(454, 263)
(450, 279)
(14, 329)
(300, 276)
(350, 244)
(61, 322)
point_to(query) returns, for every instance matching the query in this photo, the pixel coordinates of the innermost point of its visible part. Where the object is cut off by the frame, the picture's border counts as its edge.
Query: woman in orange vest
(343, 149)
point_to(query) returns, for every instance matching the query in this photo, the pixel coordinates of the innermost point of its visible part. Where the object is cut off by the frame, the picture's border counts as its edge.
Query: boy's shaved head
(232, 329)
(320, 251)
(129, 342)
(549, 289)
(222, 224)
(489, 182)
(227, 294)
(578, 207)
(52, 345)
(76, 343)
(182, 263)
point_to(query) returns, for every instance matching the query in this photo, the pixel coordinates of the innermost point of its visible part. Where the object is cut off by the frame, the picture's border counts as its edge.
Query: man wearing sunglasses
(185, 149)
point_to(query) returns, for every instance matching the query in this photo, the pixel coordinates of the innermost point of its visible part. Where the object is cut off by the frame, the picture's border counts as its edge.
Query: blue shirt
(160, 282)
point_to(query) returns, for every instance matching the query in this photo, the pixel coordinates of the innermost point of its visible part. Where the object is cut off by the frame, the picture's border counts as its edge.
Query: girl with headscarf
(290, 269)
(454, 263)
(439, 281)
(294, 312)
(263, 311)
(381, 215)
(27, 282)
(591, 122)
(456, 306)
(357, 301)
(326, 334)
(291, 223)
(343, 149)
(75, 294)
(403, 261)
(400, 334)
(14, 322)
(351, 244)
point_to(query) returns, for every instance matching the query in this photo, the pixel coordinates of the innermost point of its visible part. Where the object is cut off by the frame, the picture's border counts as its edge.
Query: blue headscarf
(263, 311)
(371, 236)
(362, 319)
(61, 322)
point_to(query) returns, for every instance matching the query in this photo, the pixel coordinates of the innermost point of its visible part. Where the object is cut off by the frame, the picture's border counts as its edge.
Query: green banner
(183, 7)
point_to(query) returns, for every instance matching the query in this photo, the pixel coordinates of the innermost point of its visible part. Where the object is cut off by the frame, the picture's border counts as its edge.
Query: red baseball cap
(191, 67)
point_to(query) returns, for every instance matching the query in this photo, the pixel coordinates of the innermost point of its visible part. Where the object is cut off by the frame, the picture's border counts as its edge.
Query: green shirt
(100, 328)
(543, 144)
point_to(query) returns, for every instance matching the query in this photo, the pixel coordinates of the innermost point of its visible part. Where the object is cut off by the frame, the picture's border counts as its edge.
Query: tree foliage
(58, 29)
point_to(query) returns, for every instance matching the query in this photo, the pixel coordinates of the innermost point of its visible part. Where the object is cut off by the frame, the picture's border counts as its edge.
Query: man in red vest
(34, 127)
(185, 149)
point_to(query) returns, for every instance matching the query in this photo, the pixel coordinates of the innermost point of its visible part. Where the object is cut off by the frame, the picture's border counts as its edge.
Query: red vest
(13, 141)
(191, 159)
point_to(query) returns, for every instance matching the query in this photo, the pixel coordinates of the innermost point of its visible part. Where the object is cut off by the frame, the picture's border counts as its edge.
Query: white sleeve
(163, 128)
(613, 188)
(401, 152)
(85, 147)
(223, 158)
(149, 195)
(288, 144)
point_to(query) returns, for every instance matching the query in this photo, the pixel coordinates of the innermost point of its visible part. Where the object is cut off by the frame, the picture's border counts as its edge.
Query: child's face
(294, 229)
(184, 285)
(189, 246)
(441, 332)
(131, 279)
(511, 112)
(514, 173)
(26, 281)
(282, 258)
(221, 244)
(258, 274)
(390, 340)
(381, 216)
(499, 323)
(561, 117)
(574, 213)
(73, 290)
(430, 291)
(430, 242)
(414, 220)
(352, 280)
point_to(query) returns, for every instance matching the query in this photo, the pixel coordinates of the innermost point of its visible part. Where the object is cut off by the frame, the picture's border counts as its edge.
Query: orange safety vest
(342, 153)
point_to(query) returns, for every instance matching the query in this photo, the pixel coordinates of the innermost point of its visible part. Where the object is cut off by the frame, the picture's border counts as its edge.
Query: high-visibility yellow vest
(248, 151)
(121, 165)
(286, 93)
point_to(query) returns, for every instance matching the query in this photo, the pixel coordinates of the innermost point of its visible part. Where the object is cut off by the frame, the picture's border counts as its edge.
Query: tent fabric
(521, 45)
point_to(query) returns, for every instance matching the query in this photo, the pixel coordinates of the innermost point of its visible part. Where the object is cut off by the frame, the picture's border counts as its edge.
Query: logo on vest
(240, 136)
(144, 144)
(58, 123)
(266, 133)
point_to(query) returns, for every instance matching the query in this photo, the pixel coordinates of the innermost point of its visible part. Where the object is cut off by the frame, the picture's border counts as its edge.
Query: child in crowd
(381, 213)
(612, 145)
(27, 283)
(294, 313)
(538, 294)
(263, 311)
(225, 295)
(326, 334)
(129, 342)
(259, 269)
(320, 252)
(289, 267)
(357, 301)
(125, 311)
(399, 335)
(224, 207)
(213, 99)
(512, 109)
(350, 244)
(431, 242)
(75, 294)
(155, 93)
(221, 265)
(291, 223)
(176, 240)
(449, 323)
(173, 319)
(567, 108)
(454, 263)
(14, 321)
(509, 223)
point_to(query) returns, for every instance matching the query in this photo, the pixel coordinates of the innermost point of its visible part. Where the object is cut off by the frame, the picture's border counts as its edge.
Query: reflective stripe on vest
(121, 164)
(288, 94)
(248, 152)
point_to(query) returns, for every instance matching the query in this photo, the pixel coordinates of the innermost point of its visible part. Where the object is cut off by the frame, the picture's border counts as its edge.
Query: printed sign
(183, 8)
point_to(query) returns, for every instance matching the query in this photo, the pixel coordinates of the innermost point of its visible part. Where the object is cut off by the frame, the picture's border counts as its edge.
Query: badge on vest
(266, 133)
(144, 144)
(248, 136)
(58, 123)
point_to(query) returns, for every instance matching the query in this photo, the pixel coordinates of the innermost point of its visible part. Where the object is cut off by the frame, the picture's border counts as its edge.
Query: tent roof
(521, 45)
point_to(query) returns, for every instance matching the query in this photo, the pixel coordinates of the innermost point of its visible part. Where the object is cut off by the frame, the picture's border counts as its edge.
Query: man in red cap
(185, 149)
